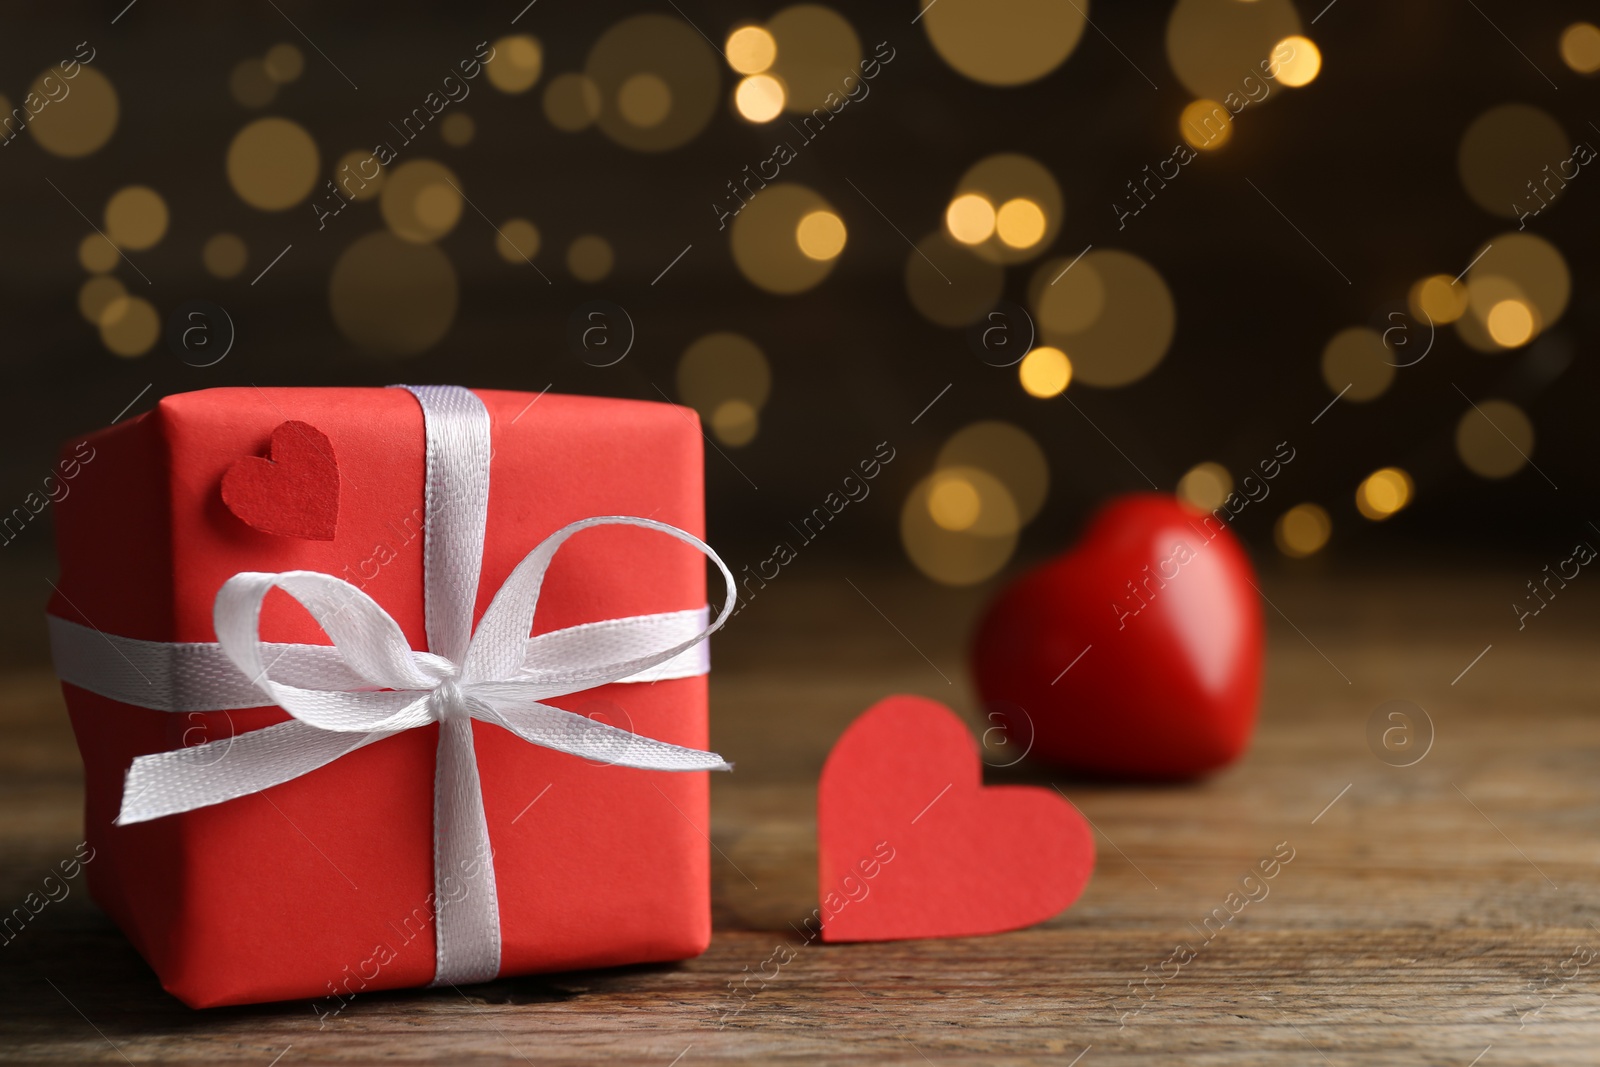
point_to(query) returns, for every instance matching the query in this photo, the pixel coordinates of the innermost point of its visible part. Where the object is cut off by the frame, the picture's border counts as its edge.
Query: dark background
(1363, 160)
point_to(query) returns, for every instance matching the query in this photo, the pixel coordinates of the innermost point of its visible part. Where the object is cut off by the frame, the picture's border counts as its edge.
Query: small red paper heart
(294, 492)
(1136, 653)
(910, 844)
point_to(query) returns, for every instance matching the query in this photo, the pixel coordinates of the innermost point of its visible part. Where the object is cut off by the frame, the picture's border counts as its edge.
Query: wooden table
(1441, 913)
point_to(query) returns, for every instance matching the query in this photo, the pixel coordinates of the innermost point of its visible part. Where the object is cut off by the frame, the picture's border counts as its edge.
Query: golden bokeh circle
(350, 175)
(96, 254)
(1205, 486)
(420, 201)
(1511, 323)
(750, 49)
(224, 255)
(821, 235)
(515, 64)
(1503, 150)
(589, 258)
(1520, 266)
(272, 164)
(392, 297)
(129, 326)
(1357, 357)
(1024, 189)
(759, 98)
(1302, 530)
(1205, 124)
(1067, 295)
(1214, 46)
(284, 63)
(1045, 372)
(677, 59)
(1303, 64)
(1004, 42)
(764, 239)
(1494, 438)
(1438, 299)
(571, 102)
(1008, 453)
(1383, 492)
(251, 85)
(817, 49)
(964, 556)
(949, 284)
(457, 129)
(136, 218)
(80, 123)
(1580, 47)
(517, 241)
(1129, 333)
(97, 295)
(726, 378)
(970, 218)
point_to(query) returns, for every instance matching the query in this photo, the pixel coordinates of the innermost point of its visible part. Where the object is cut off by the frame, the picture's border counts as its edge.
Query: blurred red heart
(1137, 653)
(295, 492)
(910, 844)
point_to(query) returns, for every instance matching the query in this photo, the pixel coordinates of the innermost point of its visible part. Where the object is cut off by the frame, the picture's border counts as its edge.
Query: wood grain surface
(1440, 913)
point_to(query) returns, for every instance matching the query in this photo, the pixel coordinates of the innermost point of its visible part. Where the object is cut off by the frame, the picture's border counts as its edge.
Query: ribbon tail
(576, 735)
(184, 779)
(467, 903)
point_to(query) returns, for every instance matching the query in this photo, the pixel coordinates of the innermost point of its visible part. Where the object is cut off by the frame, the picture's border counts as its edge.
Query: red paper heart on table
(294, 492)
(910, 844)
(1137, 653)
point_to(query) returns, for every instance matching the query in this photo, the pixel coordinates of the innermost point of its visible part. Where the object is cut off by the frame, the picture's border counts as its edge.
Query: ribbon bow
(370, 684)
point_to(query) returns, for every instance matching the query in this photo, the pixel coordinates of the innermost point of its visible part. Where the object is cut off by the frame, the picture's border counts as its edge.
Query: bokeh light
(96, 254)
(1205, 124)
(1302, 530)
(658, 82)
(1045, 372)
(251, 85)
(1580, 47)
(272, 164)
(764, 239)
(571, 102)
(1438, 298)
(96, 296)
(1383, 492)
(589, 258)
(420, 202)
(457, 129)
(1009, 454)
(1020, 223)
(725, 377)
(820, 235)
(1502, 158)
(970, 218)
(1303, 62)
(284, 63)
(224, 255)
(516, 63)
(1223, 48)
(136, 218)
(1518, 287)
(1003, 42)
(80, 123)
(953, 501)
(1510, 323)
(129, 326)
(948, 284)
(1111, 311)
(1030, 211)
(816, 51)
(1494, 438)
(750, 49)
(1357, 357)
(393, 297)
(351, 175)
(972, 502)
(759, 98)
(1205, 485)
(517, 241)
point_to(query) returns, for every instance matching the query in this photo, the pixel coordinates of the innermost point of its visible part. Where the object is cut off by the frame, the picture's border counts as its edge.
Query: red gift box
(324, 886)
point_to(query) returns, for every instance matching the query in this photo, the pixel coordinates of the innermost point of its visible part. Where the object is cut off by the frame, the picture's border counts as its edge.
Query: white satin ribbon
(370, 684)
